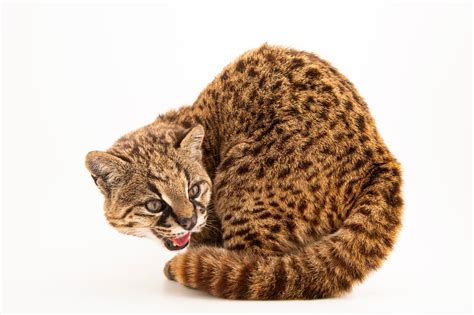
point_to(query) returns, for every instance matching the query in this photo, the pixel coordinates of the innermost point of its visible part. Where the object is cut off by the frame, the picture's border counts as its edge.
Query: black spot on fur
(339, 136)
(237, 247)
(323, 114)
(240, 67)
(392, 197)
(240, 221)
(290, 225)
(314, 188)
(359, 164)
(363, 139)
(277, 216)
(365, 211)
(273, 204)
(251, 236)
(368, 153)
(326, 88)
(312, 73)
(277, 85)
(299, 86)
(275, 228)
(304, 164)
(284, 173)
(302, 206)
(264, 215)
(242, 169)
(252, 73)
(270, 58)
(224, 76)
(296, 63)
(257, 149)
(350, 151)
(256, 243)
(258, 210)
(360, 121)
(242, 232)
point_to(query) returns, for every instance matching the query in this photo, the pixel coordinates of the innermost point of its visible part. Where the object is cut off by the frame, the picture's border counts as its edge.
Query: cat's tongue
(182, 240)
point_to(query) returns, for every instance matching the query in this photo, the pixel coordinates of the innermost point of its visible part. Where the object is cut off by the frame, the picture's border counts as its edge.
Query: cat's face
(154, 184)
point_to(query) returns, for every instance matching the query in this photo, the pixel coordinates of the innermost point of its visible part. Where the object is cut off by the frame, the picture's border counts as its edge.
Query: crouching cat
(276, 178)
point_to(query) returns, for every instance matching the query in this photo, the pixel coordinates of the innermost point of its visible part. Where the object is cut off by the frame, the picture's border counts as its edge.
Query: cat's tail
(325, 268)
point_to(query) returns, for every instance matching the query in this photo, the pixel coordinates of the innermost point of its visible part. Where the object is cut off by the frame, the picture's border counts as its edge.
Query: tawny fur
(306, 197)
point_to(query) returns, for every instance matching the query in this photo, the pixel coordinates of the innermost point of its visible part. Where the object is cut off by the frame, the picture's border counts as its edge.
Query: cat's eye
(155, 206)
(194, 191)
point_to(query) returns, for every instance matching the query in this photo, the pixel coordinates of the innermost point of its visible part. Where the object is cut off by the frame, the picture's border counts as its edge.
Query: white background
(78, 76)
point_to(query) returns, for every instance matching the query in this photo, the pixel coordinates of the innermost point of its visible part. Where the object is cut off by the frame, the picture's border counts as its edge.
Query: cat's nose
(188, 223)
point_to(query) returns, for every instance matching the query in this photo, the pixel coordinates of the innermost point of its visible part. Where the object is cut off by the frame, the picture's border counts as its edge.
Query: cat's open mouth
(177, 243)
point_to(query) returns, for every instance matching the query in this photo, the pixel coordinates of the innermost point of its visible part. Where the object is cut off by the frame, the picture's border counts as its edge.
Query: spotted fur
(306, 197)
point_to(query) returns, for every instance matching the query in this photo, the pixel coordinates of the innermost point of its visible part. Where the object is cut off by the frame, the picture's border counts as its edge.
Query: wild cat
(276, 178)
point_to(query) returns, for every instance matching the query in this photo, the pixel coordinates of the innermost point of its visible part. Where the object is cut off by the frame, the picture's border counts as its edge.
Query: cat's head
(154, 183)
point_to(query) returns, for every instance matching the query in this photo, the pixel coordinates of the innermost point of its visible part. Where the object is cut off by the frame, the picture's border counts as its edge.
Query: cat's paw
(168, 271)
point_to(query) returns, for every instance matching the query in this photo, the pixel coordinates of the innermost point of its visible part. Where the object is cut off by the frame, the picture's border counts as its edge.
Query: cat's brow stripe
(186, 174)
(161, 179)
(153, 189)
(145, 215)
(127, 212)
(179, 166)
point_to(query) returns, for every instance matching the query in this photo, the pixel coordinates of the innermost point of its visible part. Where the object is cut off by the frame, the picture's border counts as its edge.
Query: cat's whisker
(211, 228)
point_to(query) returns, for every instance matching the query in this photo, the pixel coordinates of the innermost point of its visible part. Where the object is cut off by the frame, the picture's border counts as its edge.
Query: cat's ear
(192, 141)
(105, 168)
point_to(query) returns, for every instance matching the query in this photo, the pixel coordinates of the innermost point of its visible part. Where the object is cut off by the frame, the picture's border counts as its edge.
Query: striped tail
(326, 268)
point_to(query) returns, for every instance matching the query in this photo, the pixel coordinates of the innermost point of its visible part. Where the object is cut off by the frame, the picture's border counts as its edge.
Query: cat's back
(280, 95)
(272, 77)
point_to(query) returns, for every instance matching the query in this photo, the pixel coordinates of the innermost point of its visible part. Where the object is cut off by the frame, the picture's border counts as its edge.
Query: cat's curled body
(306, 197)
